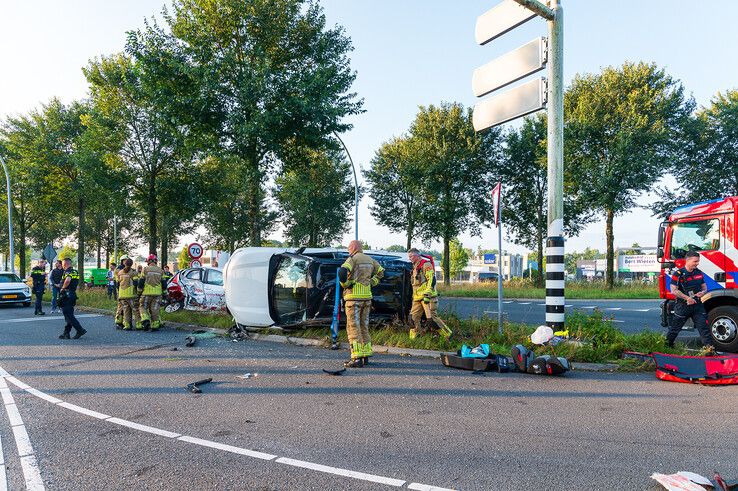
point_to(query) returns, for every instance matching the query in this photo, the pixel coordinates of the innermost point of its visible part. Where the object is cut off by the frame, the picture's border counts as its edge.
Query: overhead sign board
(517, 102)
(195, 250)
(500, 19)
(510, 67)
(490, 259)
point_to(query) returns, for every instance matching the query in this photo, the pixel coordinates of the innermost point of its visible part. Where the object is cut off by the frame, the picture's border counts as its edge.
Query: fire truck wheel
(724, 328)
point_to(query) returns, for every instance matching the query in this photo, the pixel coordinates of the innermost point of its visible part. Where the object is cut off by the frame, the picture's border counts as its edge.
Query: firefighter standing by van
(425, 296)
(127, 293)
(688, 286)
(151, 295)
(357, 275)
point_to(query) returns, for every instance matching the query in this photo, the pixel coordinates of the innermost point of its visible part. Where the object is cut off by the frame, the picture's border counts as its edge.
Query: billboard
(638, 263)
(490, 259)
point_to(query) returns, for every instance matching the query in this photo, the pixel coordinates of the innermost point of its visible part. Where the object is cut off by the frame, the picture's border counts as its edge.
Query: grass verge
(596, 339)
(574, 290)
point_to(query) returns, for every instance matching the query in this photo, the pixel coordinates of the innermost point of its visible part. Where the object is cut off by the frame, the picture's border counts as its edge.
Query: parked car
(196, 289)
(14, 290)
(96, 277)
(488, 277)
(295, 288)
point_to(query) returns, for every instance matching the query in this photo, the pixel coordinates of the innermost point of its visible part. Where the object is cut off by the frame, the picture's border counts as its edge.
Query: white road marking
(424, 487)
(3, 476)
(490, 311)
(33, 476)
(568, 305)
(81, 410)
(227, 448)
(613, 308)
(140, 427)
(639, 310)
(29, 465)
(341, 472)
(523, 303)
(615, 320)
(507, 301)
(589, 307)
(49, 318)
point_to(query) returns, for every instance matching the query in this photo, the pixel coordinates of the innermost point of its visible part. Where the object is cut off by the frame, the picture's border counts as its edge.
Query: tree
(396, 248)
(395, 178)
(265, 72)
(315, 192)
(524, 175)
(458, 258)
(622, 129)
(459, 171)
(708, 167)
(183, 259)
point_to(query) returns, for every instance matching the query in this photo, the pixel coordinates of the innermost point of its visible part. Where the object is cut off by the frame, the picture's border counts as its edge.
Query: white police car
(13, 289)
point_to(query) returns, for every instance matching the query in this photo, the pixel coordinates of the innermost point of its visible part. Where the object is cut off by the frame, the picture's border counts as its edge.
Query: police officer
(38, 276)
(68, 299)
(151, 295)
(425, 296)
(127, 293)
(688, 286)
(357, 275)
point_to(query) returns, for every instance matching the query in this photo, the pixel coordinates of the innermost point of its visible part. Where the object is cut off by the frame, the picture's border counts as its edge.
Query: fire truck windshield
(699, 235)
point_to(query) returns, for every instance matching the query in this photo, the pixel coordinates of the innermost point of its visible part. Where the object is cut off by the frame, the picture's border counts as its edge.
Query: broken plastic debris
(334, 372)
(190, 341)
(681, 481)
(542, 335)
(194, 387)
(247, 375)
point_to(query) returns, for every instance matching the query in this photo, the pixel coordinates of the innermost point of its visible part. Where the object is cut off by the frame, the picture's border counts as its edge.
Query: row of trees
(226, 115)
(625, 129)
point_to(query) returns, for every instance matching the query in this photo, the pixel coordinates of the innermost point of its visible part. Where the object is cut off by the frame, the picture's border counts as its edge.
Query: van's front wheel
(723, 323)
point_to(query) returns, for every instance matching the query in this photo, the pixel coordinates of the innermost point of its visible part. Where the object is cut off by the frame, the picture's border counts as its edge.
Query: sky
(406, 54)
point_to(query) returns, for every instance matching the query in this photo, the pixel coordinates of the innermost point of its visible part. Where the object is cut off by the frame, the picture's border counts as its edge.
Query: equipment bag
(708, 370)
(481, 351)
(476, 364)
(548, 365)
(522, 357)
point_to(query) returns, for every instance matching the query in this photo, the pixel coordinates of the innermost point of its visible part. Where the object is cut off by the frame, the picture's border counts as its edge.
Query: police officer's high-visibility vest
(364, 273)
(126, 286)
(152, 281)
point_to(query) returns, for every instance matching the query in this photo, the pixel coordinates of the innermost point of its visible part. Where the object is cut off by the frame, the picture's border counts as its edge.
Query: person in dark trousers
(688, 286)
(38, 275)
(68, 299)
(112, 290)
(55, 278)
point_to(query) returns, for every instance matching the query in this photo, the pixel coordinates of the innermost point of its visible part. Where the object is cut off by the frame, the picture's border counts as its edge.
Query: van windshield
(289, 291)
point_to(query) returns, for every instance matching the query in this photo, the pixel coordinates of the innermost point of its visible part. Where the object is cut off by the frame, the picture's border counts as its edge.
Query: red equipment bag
(708, 370)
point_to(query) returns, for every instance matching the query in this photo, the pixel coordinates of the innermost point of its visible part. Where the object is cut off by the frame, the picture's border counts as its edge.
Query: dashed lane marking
(613, 308)
(49, 318)
(29, 465)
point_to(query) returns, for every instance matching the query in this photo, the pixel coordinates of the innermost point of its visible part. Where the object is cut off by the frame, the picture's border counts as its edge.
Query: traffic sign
(510, 67)
(49, 252)
(195, 263)
(195, 250)
(517, 102)
(500, 19)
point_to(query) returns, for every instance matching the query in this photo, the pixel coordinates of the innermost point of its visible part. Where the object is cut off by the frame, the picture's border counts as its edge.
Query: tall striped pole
(555, 272)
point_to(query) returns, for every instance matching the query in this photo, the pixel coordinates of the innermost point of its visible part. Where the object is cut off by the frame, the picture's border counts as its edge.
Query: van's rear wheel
(724, 328)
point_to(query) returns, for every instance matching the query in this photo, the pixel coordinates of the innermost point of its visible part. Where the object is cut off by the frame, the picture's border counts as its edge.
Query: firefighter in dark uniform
(38, 275)
(68, 299)
(688, 286)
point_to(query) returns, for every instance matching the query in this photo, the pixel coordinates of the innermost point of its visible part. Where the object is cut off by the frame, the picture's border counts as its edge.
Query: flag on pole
(496, 203)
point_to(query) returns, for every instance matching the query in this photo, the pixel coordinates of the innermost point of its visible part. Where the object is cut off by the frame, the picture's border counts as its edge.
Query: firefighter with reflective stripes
(38, 276)
(425, 296)
(688, 286)
(151, 279)
(127, 293)
(119, 308)
(358, 274)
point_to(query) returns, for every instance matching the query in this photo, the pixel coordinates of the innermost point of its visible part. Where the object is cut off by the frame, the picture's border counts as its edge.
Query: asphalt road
(403, 422)
(628, 315)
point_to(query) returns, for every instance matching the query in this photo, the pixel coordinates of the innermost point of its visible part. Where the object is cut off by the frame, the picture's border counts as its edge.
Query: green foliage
(622, 131)
(316, 194)
(524, 288)
(183, 259)
(459, 258)
(396, 248)
(67, 252)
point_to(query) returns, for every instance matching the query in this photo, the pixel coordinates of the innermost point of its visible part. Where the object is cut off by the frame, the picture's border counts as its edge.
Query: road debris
(690, 481)
(190, 341)
(247, 376)
(334, 372)
(194, 387)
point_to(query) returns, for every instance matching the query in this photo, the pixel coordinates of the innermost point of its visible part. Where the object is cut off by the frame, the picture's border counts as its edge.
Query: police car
(14, 290)
(294, 288)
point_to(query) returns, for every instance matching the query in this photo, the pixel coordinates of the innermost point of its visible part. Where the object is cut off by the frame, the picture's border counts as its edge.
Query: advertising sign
(490, 259)
(638, 263)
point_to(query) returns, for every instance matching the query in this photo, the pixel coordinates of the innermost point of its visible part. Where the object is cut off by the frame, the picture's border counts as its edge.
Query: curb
(319, 343)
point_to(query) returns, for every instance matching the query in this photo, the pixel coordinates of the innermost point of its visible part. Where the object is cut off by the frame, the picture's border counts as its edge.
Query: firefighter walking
(151, 296)
(119, 307)
(127, 294)
(357, 275)
(425, 296)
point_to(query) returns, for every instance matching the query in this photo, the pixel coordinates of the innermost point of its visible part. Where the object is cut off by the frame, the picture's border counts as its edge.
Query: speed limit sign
(195, 263)
(195, 250)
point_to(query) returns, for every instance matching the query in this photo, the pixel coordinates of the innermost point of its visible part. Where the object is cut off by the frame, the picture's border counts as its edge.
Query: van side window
(700, 235)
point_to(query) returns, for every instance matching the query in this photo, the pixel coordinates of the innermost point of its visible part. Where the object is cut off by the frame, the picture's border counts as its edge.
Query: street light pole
(356, 189)
(10, 217)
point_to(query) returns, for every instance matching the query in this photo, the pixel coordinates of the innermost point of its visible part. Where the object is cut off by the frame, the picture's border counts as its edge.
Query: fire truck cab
(708, 228)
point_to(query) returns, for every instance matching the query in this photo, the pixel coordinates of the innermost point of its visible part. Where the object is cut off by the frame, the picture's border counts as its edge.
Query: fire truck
(709, 228)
